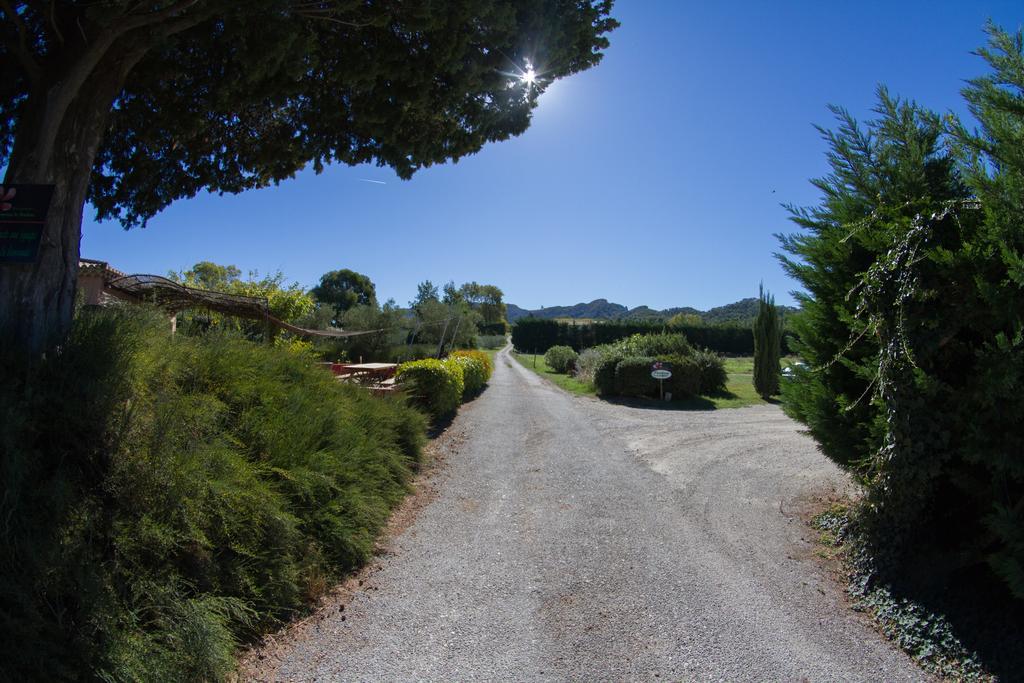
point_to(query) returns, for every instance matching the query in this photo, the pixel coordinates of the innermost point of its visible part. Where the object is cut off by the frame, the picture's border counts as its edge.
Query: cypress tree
(767, 345)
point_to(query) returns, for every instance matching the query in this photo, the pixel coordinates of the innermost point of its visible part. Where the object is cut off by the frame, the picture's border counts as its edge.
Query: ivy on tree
(912, 323)
(133, 105)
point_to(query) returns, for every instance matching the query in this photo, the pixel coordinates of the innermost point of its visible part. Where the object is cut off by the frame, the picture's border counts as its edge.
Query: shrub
(491, 341)
(403, 353)
(560, 358)
(633, 377)
(912, 268)
(687, 373)
(586, 365)
(660, 344)
(713, 376)
(604, 375)
(160, 491)
(434, 385)
(474, 374)
(484, 359)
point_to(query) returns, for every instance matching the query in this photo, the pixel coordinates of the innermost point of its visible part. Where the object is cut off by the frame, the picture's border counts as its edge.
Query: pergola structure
(101, 283)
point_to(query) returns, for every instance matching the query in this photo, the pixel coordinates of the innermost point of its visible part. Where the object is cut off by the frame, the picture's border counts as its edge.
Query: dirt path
(572, 539)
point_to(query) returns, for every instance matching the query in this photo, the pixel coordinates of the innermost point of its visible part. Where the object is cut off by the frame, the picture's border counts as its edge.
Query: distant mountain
(598, 308)
(740, 312)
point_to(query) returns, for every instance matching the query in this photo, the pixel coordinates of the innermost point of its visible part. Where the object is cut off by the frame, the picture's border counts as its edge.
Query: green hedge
(484, 359)
(633, 376)
(560, 358)
(604, 375)
(712, 372)
(474, 374)
(165, 498)
(535, 335)
(617, 374)
(436, 386)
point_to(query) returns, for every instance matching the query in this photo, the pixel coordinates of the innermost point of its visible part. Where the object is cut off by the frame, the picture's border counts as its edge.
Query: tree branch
(134, 21)
(20, 48)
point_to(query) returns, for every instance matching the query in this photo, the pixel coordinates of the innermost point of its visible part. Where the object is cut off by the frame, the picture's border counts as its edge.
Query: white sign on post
(661, 372)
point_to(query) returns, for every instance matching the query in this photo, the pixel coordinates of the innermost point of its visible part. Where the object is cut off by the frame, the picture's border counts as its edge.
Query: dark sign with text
(22, 218)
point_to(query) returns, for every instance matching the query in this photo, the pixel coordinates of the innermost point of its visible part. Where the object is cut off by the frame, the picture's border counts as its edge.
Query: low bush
(403, 353)
(687, 376)
(491, 341)
(604, 374)
(712, 372)
(474, 374)
(633, 377)
(484, 359)
(165, 498)
(586, 365)
(560, 358)
(434, 385)
(660, 344)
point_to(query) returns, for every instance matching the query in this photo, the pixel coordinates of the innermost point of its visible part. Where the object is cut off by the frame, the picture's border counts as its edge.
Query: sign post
(22, 219)
(661, 372)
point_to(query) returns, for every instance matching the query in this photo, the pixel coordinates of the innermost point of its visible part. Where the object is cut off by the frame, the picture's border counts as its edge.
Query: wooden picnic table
(362, 372)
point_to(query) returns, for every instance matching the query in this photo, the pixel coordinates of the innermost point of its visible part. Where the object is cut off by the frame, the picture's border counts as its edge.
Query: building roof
(92, 267)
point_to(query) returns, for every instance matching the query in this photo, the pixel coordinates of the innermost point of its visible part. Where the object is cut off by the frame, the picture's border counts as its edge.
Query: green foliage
(198, 491)
(341, 290)
(912, 324)
(485, 360)
(403, 353)
(633, 376)
(474, 374)
(693, 372)
(535, 334)
(560, 358)
(604, 373)
(436, 386)
(689, 375)
(711, 369)
(658, 344)
(685, 320)
(491, 341)
(767, 346)
(287, 302)
(382, 322)
(587, 363)
(485, 299)
(318, 84)
(452, 325)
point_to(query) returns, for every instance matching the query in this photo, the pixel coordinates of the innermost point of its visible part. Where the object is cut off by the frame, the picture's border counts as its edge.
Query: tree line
(536, 335)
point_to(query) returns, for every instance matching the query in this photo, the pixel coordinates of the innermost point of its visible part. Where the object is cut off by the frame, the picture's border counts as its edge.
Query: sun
(529, 77)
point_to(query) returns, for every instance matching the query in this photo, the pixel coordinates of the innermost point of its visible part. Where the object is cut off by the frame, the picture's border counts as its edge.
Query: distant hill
(598, 308)
(740, 312)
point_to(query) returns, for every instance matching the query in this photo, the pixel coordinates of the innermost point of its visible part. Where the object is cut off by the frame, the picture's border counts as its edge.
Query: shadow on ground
(981, 612)
(690, 403)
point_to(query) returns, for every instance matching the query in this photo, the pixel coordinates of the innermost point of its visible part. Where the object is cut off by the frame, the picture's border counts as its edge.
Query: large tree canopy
(344, 289)
(134, 104)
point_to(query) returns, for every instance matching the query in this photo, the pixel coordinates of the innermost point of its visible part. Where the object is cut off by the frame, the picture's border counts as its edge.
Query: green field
(739, 388)
(570, 384)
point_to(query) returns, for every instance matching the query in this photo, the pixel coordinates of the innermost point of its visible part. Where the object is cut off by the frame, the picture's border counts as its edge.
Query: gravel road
(572, 539)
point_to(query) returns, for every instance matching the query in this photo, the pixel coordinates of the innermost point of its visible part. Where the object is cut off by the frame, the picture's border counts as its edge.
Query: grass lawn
(570, 384)
(739, 387)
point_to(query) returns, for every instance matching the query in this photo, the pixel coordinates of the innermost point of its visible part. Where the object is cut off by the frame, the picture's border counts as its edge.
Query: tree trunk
(37, 299)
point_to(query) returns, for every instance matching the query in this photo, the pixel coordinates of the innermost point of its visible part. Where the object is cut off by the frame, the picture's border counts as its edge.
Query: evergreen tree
(913, 266)
(767, 346)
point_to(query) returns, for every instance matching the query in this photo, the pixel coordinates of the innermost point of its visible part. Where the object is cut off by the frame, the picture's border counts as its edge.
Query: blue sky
(655, 178)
